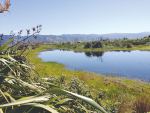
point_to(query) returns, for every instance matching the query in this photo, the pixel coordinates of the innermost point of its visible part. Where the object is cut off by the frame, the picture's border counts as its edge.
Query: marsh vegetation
(107, 45)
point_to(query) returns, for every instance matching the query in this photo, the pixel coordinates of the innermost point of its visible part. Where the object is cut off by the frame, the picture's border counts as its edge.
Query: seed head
(33, 28)
(35, 36)
(28, 31)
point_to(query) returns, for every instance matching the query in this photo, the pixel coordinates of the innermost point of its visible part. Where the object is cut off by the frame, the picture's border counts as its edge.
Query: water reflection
(95, 54)
(126, 51)
(92, 54)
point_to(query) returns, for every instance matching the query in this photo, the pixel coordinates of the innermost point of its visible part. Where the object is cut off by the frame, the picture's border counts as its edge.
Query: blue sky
(77, 16)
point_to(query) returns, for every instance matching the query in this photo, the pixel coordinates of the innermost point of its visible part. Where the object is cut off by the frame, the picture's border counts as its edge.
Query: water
(129, 64)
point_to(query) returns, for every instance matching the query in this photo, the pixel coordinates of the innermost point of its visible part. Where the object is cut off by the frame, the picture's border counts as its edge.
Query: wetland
(129, 64)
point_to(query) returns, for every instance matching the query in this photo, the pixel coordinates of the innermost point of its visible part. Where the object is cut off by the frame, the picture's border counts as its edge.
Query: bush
(94, 44)
(129, 45)
(88, 45)
(98, 44)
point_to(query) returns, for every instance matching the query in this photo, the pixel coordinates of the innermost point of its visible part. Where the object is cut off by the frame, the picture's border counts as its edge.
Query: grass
(122, 90)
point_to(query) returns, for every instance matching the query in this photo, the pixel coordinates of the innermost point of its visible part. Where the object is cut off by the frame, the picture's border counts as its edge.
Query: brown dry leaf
(1, 7)
(7, 4)
(6, 7)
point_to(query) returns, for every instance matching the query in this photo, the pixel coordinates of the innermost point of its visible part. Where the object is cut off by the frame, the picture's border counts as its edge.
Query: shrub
(94, 44)
(87, 45)
(98, 44)
(129, 45)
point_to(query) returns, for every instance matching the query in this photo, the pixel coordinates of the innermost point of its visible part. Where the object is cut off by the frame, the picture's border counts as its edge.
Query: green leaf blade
(1, 48)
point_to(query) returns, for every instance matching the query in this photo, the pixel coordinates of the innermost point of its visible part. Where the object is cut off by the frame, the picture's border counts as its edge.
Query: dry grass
(123, 107)
(142, 104)
(86, 78)
(115, 80)
(126, 107)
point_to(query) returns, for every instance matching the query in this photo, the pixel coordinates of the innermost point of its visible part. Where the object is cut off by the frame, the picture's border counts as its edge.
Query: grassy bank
(106, 45)
(124, 94)
(141, 48)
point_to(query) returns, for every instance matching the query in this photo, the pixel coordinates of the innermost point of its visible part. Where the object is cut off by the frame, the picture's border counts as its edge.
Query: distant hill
(83, 37)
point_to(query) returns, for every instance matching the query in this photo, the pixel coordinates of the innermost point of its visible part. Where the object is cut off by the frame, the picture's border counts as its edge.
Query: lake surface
(129, 64)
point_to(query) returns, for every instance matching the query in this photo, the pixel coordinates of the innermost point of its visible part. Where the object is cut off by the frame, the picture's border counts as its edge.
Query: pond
(129, 64)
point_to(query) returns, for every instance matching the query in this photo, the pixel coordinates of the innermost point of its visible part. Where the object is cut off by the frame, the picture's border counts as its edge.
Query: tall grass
(23, 90)
(142, 103)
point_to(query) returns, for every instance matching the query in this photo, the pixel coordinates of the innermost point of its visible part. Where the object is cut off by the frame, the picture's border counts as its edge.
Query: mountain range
(82, 37)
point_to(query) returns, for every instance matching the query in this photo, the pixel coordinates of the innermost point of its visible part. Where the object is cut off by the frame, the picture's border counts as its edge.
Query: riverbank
(120, 91)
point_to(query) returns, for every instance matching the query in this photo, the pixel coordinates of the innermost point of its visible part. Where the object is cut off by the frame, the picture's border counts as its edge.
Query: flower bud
(33, 28)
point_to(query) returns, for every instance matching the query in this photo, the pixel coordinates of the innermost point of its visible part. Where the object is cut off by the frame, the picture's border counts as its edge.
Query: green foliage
(4, 46)
(88, 45)
(23, 90)
(77, 86)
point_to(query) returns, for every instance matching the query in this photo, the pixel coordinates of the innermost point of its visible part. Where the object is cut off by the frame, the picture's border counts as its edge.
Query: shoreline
(49, 48)
(128, 75)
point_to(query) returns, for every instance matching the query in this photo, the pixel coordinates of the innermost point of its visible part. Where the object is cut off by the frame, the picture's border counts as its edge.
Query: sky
(77, 16)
